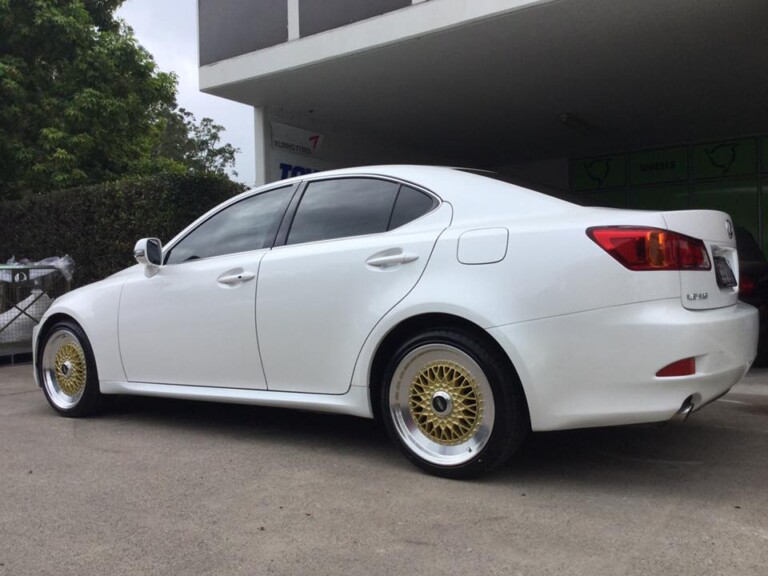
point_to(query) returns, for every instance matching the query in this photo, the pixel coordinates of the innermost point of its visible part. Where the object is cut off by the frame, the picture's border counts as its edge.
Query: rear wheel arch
(430, 321)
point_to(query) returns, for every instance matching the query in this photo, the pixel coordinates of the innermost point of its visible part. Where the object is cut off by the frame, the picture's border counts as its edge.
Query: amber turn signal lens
(644, 248)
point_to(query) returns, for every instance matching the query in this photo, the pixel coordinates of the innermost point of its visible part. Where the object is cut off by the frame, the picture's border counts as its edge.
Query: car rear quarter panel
(551, 268)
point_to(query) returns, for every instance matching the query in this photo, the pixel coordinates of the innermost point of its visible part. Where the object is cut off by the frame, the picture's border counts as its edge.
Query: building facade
(656, 104)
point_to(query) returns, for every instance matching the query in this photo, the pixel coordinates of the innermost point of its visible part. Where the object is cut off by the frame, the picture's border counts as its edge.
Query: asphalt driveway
(181, 488)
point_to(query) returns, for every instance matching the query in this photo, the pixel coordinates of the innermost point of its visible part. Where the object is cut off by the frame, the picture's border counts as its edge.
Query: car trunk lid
(716, 287)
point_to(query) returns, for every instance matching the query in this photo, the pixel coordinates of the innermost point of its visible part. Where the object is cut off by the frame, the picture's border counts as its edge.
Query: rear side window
(251, 224)
(410, 204)
(340, 208)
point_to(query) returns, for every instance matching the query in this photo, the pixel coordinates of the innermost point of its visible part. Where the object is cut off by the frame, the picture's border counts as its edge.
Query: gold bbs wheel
(441, 404)
(63, 368)
(446, 402)
(70, 368)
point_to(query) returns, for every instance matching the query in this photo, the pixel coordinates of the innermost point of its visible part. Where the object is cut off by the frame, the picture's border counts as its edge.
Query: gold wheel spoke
(465, 414)
(69, 366)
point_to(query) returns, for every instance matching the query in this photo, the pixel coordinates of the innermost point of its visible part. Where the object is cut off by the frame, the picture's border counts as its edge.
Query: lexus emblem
(729, 228)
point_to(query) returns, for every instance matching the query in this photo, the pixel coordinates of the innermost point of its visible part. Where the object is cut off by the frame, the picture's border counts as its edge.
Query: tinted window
(338, 208)
(410, 205)
(250, 224)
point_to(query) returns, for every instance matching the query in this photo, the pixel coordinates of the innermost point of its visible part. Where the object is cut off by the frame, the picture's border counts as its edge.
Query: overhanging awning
(541, 79)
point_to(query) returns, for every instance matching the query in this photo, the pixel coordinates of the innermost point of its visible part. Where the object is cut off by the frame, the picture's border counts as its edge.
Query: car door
(349, 257)
(193, 322)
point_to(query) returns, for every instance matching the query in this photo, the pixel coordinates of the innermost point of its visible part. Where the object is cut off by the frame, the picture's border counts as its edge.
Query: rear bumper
(599, 368)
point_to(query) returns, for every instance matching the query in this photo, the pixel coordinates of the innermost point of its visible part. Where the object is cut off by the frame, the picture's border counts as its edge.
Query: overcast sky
(168, 30)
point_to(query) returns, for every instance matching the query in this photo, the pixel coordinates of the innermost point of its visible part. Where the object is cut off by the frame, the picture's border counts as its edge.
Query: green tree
(196, 146)
(82, 102)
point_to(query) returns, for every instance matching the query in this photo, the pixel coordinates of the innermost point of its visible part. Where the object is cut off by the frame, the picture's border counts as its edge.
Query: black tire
(452, 405)
(67, 371)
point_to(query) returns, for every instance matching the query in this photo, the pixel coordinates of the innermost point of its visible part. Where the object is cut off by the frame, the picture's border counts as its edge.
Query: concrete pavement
(171, 487)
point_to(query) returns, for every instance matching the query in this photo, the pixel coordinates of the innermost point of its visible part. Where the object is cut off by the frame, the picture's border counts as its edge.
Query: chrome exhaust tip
(685, 410)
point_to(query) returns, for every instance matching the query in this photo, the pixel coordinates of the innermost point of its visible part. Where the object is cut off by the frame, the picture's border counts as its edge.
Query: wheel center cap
(442, 403)
(66, 368)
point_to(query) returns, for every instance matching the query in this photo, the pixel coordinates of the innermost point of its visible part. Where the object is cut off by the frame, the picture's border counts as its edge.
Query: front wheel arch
(42, 332)
(81, 396)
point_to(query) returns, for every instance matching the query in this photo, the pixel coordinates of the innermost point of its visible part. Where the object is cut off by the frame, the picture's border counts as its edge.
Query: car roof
(471, 194)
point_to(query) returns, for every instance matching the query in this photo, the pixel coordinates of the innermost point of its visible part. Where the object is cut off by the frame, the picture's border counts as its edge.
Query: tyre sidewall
(510, 424)
(90, 400)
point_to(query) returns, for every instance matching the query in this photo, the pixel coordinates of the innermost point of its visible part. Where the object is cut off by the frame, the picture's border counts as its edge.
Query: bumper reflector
(684, 367)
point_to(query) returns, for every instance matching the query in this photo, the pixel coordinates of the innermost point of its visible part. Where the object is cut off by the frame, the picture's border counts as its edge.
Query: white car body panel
(585, 334)
(709, 226)
(484, 246)
(96, 307)
(550, 269)
(353, 403)
(597, 368)
(323, 299)
(185, 314)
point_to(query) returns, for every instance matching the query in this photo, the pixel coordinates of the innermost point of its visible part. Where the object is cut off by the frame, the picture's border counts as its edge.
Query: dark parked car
(753, 289)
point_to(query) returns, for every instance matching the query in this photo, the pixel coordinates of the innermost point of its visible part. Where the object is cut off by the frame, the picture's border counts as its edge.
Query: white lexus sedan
(461, 310)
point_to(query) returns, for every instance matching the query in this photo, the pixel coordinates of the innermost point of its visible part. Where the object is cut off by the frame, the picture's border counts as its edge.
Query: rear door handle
(391, 259)
(236, 278)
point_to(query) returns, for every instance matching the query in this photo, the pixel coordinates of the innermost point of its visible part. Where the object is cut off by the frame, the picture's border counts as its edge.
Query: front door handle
(387, 260)
(236, 277)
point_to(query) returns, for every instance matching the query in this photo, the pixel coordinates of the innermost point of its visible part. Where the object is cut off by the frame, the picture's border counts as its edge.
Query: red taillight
(746, 285)
(641, 248)
(684, 367)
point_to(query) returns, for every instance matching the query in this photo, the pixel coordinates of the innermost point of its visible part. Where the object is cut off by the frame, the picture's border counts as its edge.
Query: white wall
(294, 145)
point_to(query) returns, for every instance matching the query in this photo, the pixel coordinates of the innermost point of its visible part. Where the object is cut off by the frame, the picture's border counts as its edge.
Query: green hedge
(98, 225)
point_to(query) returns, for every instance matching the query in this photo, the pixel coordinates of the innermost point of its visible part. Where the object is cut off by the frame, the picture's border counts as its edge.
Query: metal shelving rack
(26, 292)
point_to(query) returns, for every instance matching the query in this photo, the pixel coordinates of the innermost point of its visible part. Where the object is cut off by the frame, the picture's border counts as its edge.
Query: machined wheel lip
(63, 368)
(408, 429)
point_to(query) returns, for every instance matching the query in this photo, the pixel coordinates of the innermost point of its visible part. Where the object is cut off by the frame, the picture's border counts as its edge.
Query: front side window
(250, 224)
(340, 208)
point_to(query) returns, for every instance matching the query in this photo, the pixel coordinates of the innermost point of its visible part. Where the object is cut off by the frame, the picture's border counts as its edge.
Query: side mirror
(149, 251)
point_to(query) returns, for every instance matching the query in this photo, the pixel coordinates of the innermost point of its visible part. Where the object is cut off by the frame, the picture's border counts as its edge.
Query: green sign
(723, 159)
(655, 166)
(599, 173)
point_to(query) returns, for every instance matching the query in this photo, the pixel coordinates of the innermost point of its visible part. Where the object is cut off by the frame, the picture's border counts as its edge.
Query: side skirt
(354, 403)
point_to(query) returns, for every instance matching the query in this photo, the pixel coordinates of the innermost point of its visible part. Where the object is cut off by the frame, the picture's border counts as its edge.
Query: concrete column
(293, 20)
(260, 144)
